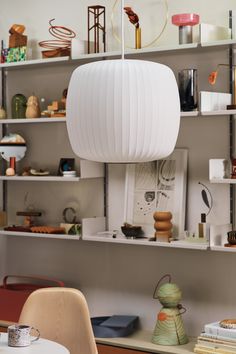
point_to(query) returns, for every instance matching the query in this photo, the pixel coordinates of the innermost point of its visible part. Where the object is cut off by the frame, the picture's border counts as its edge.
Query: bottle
(203, 228)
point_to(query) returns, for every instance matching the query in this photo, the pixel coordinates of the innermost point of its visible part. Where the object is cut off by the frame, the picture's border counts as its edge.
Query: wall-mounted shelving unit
(91, 57)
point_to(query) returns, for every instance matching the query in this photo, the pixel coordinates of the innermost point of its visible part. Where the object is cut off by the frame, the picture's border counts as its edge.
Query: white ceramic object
(123, 111)
(218, 168)
(214, 101)
(211, 33)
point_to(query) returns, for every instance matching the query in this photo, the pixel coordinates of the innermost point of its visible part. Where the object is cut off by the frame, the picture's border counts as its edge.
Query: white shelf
(223, 180)
(32, 120)
(39, 235)
(145, 242)
(219, 113)
(40, 178)
(167, 48)
(222, 42)
(223, 249)
(89, 57)
(189, 114)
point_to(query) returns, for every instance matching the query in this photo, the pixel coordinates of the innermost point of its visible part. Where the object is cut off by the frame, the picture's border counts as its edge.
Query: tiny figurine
(163, 225)
(97, 27)
(169, 329)
(33, 109)
(134, 19)
(59, 47)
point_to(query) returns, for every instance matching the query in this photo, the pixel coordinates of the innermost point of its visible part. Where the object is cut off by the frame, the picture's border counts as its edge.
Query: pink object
(185, 19)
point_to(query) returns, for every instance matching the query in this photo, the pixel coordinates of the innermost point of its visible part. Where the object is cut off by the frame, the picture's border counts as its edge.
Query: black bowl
(132, 231)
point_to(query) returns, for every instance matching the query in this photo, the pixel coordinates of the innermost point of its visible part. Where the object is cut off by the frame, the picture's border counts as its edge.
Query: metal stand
(98, 27)
(232, 126)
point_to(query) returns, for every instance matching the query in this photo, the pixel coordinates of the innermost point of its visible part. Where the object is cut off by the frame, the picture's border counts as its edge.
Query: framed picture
(157, 186)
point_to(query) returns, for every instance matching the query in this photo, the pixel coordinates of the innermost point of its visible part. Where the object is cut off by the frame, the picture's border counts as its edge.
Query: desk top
(42, 346)
(141, 340)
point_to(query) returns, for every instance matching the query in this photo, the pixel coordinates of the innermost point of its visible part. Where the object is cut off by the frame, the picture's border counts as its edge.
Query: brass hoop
(115, 33)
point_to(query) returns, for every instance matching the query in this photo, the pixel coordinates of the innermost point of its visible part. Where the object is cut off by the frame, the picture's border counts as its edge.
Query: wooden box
(17, 40)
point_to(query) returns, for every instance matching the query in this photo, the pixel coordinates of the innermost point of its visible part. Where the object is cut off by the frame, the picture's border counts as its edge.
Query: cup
(19, 335)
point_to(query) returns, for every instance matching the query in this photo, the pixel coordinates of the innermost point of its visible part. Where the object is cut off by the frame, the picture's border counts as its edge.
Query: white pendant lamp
(123, 110)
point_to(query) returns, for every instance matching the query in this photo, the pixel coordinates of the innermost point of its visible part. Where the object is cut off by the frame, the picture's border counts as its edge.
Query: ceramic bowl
(132, 231)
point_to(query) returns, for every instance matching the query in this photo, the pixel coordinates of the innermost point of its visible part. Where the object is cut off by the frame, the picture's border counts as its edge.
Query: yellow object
(138, 38)
(61, 315)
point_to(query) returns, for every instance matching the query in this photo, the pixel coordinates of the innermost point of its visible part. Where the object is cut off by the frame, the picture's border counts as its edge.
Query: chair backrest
(61, 315)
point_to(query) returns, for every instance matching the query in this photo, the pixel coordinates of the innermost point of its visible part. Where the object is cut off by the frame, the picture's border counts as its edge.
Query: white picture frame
(157, 186)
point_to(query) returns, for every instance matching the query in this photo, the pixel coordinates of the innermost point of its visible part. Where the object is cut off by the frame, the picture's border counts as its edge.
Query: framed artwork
(157, 186)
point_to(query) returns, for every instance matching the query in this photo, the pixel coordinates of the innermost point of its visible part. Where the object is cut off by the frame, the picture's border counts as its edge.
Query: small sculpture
(134, 19)
(185, 22)
(163, 225)
(33, 109)
(169, 328)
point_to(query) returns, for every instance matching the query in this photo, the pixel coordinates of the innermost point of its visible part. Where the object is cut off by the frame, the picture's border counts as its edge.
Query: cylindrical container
(18, 106)
(188, 91)
(137, 38)
(185, 34)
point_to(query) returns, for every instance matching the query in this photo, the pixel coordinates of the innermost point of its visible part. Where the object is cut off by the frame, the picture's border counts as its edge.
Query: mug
(19, 335)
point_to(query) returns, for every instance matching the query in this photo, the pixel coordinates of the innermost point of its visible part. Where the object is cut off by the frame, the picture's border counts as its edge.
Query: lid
(203, 217)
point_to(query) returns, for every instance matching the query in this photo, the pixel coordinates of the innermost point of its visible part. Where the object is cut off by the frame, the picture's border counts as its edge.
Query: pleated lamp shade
(123, 111)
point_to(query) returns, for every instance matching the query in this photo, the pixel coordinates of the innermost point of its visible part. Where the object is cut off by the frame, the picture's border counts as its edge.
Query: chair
(61, 315)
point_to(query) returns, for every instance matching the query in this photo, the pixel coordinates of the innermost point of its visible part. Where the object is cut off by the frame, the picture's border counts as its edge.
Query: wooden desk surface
(141, 340)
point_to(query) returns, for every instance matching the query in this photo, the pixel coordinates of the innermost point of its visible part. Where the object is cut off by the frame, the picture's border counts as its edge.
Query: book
(217, 339)
(214, 328)
(214, 344)
(203, 349)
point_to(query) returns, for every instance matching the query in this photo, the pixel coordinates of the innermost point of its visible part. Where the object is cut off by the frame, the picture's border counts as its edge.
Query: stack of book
(216, 339)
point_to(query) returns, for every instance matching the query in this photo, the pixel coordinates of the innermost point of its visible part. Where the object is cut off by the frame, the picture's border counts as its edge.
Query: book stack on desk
(216, 339)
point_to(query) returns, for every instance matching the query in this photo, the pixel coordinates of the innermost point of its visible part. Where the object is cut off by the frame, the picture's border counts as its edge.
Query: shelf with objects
(36, 159)
(49, 65)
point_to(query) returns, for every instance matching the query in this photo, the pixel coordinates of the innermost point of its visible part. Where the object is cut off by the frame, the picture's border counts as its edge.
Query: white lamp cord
(122, 31)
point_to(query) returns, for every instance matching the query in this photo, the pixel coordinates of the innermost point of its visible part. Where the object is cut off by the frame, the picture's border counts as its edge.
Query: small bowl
(132, 231)
(232, 237)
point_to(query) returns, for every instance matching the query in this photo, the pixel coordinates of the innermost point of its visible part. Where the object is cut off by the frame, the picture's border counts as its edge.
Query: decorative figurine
(98, 27)
(169, 328)
(18, 106)
(163, 225)
(134, 19)
(33, 109)
(212, 80)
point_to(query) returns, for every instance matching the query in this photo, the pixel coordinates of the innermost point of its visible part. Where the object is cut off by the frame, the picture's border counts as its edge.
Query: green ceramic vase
(18, 106)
